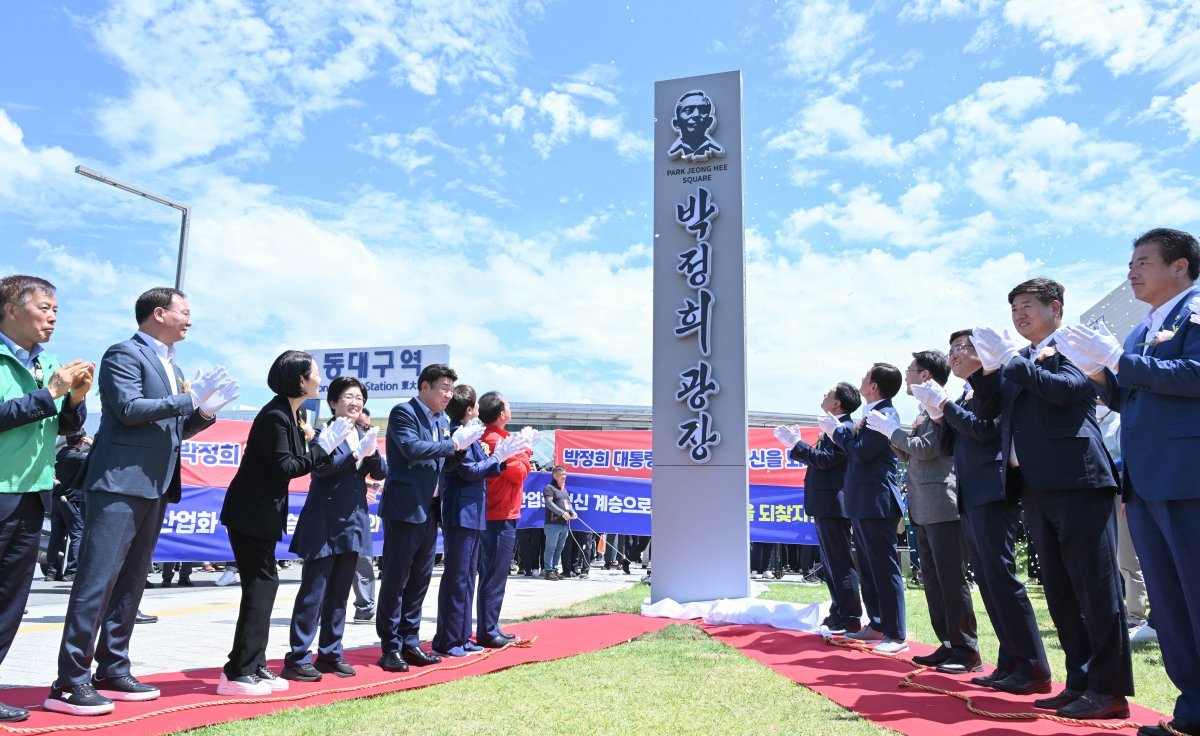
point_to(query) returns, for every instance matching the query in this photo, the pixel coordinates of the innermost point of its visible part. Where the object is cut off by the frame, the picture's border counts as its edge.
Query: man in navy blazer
(1154, 381)
(872, 498)
(418, 443)
(824, 502)
(133, 472)
(991, 519)
(1055, 461)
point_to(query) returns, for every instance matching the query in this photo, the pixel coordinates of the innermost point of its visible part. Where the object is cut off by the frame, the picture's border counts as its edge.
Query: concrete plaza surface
(195, 625)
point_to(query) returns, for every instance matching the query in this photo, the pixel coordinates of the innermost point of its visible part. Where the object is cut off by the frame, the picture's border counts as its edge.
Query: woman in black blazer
(333, 530)
(255, 512)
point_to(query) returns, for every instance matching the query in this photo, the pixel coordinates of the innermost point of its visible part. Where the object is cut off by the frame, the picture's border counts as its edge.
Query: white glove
(204, 386)
(1099, 346)
(993, 348)
(828, 424)
(334, 434)
(369, 444)
(1063, 340)
(882, 423)
(216, 401)
(464, 436)
(530, 434)
(509, 446)
(931, 395)
(787, 436)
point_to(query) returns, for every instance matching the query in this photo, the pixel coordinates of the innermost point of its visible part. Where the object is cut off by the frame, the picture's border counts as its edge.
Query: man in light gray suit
(933, 508)
(148, 409)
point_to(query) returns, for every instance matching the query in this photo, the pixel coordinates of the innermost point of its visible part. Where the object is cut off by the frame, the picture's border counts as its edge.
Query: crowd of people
(1024, 442)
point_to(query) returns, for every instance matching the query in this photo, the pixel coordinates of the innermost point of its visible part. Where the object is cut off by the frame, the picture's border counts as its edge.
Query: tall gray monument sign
(700, 486)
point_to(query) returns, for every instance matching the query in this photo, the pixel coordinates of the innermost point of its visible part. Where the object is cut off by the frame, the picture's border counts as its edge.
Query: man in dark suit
(39, 399)
(418, 443)
(872, 498)
(132, 474)
(1154, 381)
(824, 502)
(66, 513)
(1055, 461)
(990, 519)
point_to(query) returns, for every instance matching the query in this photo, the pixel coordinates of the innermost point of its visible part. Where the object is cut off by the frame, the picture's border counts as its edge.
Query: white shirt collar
(1037, 349)
(23, 357)
(161, 349)
(867, 409)
(1154, 320)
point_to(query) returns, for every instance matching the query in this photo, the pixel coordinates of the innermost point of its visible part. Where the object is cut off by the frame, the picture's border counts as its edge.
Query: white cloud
(209, 74)
(831, 127)
(1187, 107)
(819, 35)
(24, 171)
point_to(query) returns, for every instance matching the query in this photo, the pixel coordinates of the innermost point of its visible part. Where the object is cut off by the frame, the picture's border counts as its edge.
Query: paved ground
(195, 627)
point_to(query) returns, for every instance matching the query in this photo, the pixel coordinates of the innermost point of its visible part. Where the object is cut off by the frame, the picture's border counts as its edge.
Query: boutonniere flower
(919, 420)
(185, 386)
(486, 450)
(1161, 336)
(446, 433)
(1046, 352)
(860, 424)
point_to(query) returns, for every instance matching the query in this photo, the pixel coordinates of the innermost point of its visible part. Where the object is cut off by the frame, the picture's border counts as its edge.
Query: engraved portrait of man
(694, 118)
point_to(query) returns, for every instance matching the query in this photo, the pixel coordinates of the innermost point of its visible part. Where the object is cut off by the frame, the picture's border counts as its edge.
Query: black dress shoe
(1094, 706)
(143, 618)
(1188, 728)
(961, 665)
(12, 714)
(510, 637)
(393, 662)
(934, 658)
(1066, 697)
(417, 657)
(987, 680)
(187, 582)
(1018, 684)
(498, 643)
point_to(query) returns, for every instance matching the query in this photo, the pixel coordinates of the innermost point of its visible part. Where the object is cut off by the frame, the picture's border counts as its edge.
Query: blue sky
(371, 173)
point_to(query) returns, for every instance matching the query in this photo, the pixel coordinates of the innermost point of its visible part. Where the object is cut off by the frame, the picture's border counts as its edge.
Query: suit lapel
(1174, 319)
(154, 361)
(423, 418)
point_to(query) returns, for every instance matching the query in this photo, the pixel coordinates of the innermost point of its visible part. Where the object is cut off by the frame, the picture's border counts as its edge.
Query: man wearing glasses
(39, 399)
(990, 519)
(133, 473)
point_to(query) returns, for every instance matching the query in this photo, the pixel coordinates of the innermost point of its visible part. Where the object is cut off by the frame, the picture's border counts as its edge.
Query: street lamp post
(186, 210)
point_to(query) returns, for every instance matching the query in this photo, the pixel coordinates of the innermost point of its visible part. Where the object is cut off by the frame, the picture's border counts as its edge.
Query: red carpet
(868, 685)
(556, 638)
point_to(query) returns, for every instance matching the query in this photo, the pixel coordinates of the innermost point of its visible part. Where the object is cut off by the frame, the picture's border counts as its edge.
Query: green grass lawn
(675, 681)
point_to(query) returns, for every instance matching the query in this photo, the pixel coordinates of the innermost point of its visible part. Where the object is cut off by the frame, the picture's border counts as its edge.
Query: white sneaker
(866, 633)
(275, 682)
(227, 578)
(891, 646)
(242, 686)
(1144, 633)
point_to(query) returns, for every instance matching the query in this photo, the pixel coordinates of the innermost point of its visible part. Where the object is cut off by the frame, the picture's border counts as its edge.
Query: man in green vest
(39, 399)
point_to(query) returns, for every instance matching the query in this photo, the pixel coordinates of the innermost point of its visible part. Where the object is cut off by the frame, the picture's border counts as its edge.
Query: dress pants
(364, 585)
(841, 577)
(259, 577)
(1165, 533)
(321, 602)
(530, 549)
(456, 593)
(20, 532)
(66, 529)
(495, 556)
(947, 592)
(760, 557)
(883, 583)
(1076, 540)
(990, 532)
(408, 551)
(118, 542)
